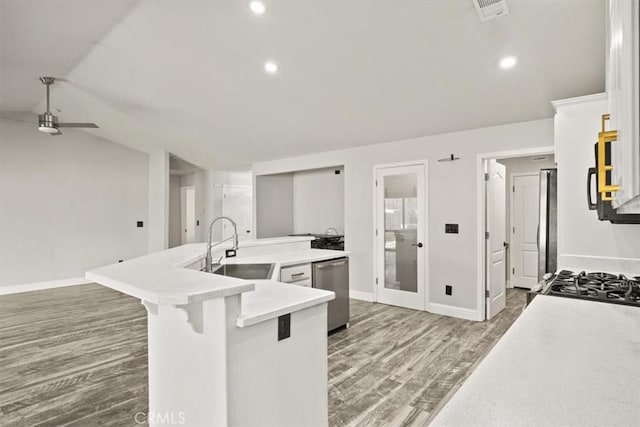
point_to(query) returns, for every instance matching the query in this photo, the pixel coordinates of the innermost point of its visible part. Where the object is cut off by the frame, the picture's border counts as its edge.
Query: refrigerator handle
(543, 225)
(590, 174)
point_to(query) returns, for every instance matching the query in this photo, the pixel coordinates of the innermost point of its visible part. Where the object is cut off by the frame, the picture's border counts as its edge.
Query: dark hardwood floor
(78, 356)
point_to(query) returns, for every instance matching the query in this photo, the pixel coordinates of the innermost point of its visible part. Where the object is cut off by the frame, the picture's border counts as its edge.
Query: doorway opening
(188, 214)
(508, 223)
(522, 216)
(185, 201)
(237, 203)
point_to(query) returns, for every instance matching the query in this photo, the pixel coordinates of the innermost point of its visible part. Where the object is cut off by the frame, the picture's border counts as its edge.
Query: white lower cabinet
(296, 274)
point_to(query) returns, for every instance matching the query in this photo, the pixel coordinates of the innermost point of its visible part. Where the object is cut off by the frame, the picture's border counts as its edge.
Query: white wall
(175, 223)
(452, 199)
(67, 204)
(274, 205)
(318, 200)
(580, 233)
(158, 201)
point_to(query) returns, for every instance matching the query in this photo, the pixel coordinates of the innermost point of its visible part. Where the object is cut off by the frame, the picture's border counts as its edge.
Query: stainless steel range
(595, 286)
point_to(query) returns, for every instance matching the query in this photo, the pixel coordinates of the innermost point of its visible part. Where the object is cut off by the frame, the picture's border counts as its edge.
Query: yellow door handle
(605, 137)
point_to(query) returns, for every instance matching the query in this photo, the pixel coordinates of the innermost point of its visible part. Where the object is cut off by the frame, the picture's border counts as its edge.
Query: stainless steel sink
(246, 271)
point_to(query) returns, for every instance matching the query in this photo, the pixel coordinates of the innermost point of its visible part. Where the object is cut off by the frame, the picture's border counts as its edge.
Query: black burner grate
(597, 286)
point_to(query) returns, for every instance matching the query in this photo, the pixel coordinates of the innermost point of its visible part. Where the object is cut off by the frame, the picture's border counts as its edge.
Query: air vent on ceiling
(489, 9)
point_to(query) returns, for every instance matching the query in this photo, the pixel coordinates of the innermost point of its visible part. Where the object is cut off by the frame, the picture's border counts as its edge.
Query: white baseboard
(449, 310)
(38, 286)
(362, 296)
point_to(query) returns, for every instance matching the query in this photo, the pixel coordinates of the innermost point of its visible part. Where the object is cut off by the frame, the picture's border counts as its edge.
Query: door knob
(417, 244)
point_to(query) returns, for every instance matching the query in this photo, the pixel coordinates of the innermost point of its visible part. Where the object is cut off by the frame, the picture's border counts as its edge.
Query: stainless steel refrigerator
(548, 223)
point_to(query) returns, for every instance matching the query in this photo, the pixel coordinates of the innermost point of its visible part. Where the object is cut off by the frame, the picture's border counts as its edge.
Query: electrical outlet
(451, 228)
(448, 289)
(284, 326)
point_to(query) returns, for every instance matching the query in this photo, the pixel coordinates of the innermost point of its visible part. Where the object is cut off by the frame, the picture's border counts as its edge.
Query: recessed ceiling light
(257, 7)
(271, 67)
(508, 62)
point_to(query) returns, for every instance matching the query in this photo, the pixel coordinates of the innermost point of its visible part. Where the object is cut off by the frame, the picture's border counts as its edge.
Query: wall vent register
(491, 9)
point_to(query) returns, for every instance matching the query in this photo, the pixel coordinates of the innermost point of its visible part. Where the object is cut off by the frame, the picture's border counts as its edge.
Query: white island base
(206, 371)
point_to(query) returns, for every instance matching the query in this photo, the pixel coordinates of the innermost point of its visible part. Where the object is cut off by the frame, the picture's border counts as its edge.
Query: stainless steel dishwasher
(333, 275)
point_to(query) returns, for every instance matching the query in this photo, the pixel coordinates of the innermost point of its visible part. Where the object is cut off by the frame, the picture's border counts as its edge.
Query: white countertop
(161, 278)
(564, 362)
(271, 299)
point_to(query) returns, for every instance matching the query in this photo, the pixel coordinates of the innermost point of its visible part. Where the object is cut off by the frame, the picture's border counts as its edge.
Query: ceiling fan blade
(18, 120)
(78, 125)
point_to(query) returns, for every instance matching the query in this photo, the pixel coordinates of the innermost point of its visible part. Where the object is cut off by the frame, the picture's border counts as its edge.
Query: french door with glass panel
(400, 235)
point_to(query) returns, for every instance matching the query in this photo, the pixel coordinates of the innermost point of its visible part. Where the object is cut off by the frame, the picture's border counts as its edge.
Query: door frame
(481, 285)
(374, 191)
(512, 183)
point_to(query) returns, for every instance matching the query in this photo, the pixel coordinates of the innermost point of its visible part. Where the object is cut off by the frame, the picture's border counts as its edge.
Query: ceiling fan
(48, 122)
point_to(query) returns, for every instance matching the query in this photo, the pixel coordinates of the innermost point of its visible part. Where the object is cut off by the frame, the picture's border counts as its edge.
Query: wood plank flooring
(396, 367)
(78, 356)
(72, 356)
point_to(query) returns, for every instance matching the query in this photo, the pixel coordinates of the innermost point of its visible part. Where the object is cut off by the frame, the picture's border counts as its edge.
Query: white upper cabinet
(622, 89)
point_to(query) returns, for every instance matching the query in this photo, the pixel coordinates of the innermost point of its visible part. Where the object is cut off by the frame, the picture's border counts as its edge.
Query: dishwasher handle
(333, 264)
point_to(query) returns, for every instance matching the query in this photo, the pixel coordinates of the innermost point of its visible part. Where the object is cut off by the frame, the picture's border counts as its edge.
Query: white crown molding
(578, 100)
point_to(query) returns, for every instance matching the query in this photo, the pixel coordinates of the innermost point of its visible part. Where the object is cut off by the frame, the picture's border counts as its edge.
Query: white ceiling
(187, 75)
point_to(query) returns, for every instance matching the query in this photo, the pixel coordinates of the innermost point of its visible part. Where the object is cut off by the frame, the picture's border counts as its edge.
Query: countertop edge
(242, 322)
(167, 299)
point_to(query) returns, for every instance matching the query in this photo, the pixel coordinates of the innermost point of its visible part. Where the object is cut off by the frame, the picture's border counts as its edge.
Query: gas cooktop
(596, 286)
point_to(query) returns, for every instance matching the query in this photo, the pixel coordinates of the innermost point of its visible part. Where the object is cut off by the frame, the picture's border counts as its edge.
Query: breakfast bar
(216, 354)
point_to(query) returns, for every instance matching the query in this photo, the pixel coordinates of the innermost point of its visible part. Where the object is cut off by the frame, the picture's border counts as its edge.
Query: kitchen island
(564, 362)
(215, 354)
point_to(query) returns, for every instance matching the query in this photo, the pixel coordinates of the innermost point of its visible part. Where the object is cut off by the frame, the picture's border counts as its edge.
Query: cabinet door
(622, 90)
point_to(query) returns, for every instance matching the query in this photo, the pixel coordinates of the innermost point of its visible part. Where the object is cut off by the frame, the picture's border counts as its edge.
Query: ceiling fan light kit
(48, 123)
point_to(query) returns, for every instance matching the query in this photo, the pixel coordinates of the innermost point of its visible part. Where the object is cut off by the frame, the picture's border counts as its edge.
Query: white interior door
(188, 214)
(495, 228)
(400, 236)
(524, 229)
(237, 204)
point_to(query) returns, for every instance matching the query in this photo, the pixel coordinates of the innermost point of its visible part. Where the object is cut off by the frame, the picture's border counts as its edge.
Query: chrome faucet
(208, 260)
